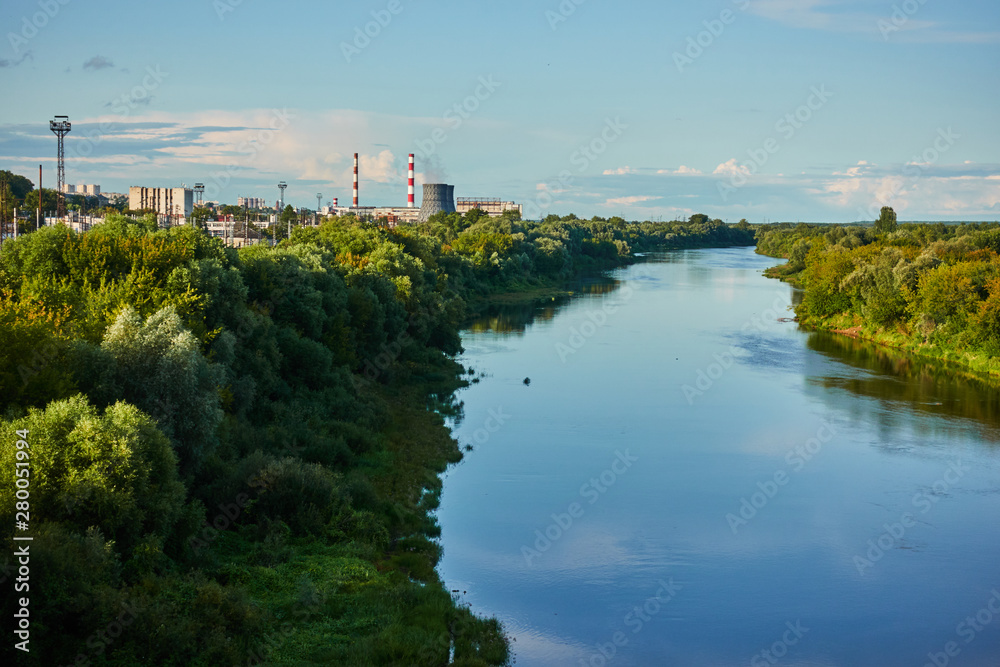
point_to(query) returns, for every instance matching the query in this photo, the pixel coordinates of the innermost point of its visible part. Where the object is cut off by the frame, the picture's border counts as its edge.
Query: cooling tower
(438, 197)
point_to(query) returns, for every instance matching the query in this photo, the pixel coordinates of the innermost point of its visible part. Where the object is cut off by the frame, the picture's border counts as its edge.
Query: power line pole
(61, 127)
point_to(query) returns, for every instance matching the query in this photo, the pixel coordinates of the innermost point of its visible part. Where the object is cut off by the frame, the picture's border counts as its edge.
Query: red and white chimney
(334, 202)
(410, 199)
(355, 180)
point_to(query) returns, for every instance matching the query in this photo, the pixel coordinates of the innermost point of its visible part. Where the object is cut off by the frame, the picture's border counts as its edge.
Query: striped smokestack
(410, 200)
(335, 202)
(355, 180)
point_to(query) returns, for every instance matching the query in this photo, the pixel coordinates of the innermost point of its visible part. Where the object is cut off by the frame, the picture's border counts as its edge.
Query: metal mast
(61, 127)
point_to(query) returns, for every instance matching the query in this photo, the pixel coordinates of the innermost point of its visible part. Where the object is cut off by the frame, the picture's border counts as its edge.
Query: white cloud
(629, 201)
(681, 171)
(889, 22)
(620, 171)
(731, 168)
(259, 143)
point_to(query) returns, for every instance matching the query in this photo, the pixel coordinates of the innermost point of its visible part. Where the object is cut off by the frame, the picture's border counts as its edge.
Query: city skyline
(818, 110)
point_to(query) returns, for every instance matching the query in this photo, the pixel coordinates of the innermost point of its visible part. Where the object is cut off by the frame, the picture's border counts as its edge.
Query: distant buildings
(177, 202)
(494, 207)
(251, 202)
(82, 189)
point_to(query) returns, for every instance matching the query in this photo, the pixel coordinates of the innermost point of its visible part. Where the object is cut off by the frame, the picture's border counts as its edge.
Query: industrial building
(438, 198)
(82, 189)
(173, 202)
(251, 202)
(494, 207)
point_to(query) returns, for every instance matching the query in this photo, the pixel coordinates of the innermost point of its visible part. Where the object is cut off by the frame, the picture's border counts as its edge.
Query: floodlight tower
(199, 193)
(60, 127)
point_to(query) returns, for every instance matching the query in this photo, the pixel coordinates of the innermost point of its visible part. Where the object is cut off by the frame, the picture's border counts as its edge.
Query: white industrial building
(173, 202)
(251, 202)
(82, 189)
(494, 207)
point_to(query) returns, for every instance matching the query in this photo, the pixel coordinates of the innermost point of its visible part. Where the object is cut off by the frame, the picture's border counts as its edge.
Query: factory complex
(437, 198)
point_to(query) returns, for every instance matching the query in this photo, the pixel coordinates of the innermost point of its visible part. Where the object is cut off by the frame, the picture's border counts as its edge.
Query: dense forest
(234, 457)
(933, 289)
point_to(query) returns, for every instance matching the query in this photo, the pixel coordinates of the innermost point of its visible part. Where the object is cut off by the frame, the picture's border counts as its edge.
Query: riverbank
(865, 418)
(962, 360)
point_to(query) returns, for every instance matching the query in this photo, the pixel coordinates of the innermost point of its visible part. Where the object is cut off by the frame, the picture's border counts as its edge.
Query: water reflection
(515, 318)
(922, 384)
(901, 424)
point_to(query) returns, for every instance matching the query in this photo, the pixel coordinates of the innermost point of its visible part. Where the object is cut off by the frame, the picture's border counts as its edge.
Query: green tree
(50, 200)
(200, 215)
(19, 185)
(886, 222)
(157, 365)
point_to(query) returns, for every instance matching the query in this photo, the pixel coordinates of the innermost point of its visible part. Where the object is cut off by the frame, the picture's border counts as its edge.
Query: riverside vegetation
(930, 289)
(235, 456)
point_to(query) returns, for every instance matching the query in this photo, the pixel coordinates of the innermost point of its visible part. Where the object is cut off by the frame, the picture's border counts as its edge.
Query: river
(688, 480)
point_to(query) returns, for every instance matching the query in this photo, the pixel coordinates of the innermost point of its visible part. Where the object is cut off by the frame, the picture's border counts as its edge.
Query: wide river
(689, 480)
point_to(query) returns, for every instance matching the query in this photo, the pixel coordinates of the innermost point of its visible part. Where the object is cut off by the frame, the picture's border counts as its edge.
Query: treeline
(235, 455)
(930, 288)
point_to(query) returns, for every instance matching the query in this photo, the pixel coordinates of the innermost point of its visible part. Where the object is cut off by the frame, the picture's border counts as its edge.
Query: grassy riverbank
(929, 290)
(235, 456)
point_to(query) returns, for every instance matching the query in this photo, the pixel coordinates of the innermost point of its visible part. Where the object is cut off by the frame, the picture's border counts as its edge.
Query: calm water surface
(689, 481)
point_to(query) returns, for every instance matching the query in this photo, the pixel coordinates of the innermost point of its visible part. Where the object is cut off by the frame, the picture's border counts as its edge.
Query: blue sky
(820, 110)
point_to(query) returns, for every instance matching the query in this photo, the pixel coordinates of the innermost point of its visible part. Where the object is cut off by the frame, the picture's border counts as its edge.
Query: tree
(473, 215)
(49, 200)
(156, 365)
(886, 221)
(289, 215)
(200, 215)
(19, 185)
